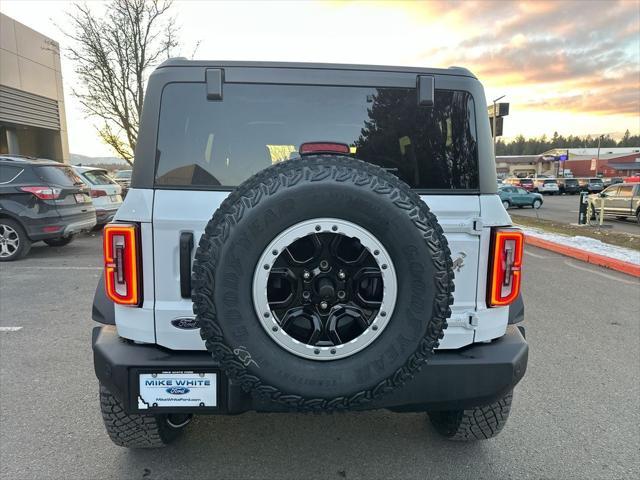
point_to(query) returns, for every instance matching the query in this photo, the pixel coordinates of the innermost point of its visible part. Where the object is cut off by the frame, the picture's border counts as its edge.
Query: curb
(593, 258)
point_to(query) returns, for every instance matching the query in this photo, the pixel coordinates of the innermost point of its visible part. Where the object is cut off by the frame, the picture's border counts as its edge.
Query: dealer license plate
(177, 389)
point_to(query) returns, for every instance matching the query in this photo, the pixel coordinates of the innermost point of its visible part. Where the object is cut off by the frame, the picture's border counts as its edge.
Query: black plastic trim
(186, 248)
(103, 310)
(453, 379)
(516, 310)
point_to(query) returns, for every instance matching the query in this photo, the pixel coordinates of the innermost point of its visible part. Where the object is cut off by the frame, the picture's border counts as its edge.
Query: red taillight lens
(43, 193)
(121, 266)
(505, 274)
(324, 147)
(97, 193)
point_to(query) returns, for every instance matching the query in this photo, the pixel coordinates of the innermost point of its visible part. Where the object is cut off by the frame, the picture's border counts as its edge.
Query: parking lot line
(535, 255)
(10, 329)
(590, 270)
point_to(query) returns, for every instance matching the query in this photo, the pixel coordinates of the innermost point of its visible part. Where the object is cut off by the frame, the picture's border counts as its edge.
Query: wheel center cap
(326, 288)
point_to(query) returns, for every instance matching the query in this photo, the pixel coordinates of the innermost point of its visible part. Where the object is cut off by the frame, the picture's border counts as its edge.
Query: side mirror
(602, 195)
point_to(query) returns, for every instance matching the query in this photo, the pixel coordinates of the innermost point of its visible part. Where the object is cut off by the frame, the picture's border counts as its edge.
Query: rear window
(548, 182)
(9, 173)
(222, 143)
(526, 181)
(571, 181)
(123, 174)
(595, 180)
(63, 176)
(97, 177)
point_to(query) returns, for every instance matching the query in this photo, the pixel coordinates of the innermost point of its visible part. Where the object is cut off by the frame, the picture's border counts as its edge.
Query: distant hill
(84, 160)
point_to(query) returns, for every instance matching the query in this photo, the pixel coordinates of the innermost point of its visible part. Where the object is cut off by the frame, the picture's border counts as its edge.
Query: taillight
(43, 193)
(324, 147)
(97, 193)
(505, 274)
(121, 263)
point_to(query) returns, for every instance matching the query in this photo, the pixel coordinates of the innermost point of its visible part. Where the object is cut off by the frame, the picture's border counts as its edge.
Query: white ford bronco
(309, 237)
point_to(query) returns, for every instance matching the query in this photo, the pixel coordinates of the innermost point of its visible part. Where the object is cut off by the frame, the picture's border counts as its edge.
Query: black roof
(24, 159)
(184, 62)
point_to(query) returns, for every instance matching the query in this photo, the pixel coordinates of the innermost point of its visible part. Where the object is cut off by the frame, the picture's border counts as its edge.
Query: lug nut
(324, 265)
(306, 295)
(341, 294)
(306, 275)
(342, 275)
(324, 305)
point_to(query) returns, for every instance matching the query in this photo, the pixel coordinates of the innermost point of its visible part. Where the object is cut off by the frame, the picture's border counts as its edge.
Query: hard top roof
(184, 62)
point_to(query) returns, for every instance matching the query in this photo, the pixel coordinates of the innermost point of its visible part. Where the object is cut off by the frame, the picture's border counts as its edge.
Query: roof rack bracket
(215, 79)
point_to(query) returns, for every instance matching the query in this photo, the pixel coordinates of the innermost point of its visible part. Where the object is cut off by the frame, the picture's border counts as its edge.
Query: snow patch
(587, 244)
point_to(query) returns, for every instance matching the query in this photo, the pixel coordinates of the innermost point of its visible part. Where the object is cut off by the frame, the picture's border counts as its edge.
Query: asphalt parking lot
(575, 415)
(564, 209)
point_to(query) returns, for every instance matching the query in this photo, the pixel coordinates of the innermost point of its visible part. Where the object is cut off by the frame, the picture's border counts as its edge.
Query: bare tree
(113, 54)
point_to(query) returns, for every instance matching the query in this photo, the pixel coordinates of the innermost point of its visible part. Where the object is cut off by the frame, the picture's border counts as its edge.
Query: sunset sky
(573, 67)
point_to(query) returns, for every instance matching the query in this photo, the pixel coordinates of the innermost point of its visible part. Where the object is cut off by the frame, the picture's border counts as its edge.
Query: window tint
(626, 191)
(203, 143)
(9, 173)
(63, 176)
(549, 182)
(98, 177)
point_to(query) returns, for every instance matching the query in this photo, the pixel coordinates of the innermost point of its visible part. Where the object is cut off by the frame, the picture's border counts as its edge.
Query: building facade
(32, 112)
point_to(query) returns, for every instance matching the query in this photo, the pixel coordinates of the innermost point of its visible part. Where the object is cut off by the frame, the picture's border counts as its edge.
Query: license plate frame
(143, 396)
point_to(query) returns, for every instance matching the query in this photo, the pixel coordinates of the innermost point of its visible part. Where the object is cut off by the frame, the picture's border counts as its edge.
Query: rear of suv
(291, 241)
(105, 192)
(40, 200)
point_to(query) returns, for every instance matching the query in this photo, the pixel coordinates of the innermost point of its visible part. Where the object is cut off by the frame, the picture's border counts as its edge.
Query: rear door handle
(186, 247)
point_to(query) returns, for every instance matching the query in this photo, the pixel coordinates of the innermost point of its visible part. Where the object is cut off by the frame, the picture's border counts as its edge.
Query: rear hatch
(105, 192)
(206, 148)
(73, 201)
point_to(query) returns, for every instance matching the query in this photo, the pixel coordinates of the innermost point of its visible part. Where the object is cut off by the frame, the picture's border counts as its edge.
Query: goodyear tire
(346, 191)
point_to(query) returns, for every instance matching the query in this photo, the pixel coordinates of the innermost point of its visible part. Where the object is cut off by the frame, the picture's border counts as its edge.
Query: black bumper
(473, 376)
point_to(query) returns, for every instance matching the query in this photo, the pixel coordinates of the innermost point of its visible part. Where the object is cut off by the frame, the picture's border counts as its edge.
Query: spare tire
(322, 283)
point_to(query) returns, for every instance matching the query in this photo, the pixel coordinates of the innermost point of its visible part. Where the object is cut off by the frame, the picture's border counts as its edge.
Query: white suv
(309, 237)
(546, 185)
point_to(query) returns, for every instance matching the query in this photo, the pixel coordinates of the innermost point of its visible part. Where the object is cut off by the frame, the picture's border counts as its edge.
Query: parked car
(123, 178)
(40, 200)
(519, 197)
(612, 181)
(526, 183)
(321, 283)
(105, 192)
(546, 185)
(591, 185)
(621, 200)
(569, 185)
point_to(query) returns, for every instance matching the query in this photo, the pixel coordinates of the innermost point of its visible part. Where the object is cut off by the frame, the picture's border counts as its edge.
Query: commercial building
(32, 113)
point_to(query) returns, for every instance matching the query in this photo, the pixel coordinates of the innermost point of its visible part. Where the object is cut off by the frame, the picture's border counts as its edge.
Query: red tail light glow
(43, 192)
(97, 193)
(324, 147)
(505, 274)
(121, 263)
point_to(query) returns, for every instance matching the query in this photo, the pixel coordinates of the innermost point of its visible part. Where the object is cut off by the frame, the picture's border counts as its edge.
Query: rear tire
(59, 242)
(478, 423)
(138, 430)
(506, 204)
(14, 243)
(536, 204)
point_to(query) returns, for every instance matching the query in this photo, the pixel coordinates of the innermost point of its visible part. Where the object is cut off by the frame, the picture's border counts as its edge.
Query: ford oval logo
(185, 323)
(177, 390)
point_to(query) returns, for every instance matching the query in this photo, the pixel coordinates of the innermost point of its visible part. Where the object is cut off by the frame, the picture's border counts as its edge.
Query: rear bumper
(473, 376)
(62, 227)
(105, 216)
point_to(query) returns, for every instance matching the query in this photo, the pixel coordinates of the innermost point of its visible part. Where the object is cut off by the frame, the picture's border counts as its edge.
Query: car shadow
(371, 445)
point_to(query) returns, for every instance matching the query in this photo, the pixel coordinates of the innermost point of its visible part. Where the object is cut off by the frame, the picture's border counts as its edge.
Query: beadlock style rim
(331, 301)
